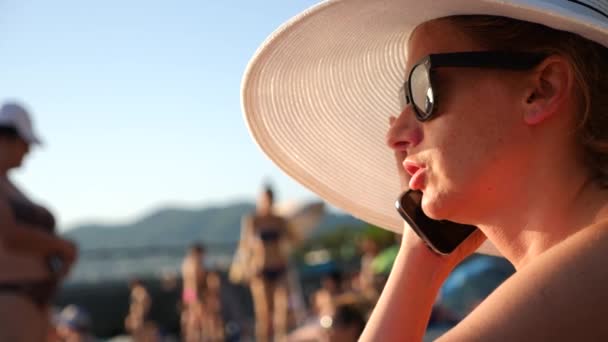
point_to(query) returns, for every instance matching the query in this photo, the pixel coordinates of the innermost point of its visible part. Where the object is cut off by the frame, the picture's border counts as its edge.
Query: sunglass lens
(404, 99)
(422, 92)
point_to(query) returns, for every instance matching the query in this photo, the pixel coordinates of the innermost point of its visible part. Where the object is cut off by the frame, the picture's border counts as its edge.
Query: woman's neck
(546, 215)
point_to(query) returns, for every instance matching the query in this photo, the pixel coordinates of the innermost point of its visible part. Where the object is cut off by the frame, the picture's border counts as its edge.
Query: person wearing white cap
(32, 258)
(16, 117)
(73, 324)
(497, 115)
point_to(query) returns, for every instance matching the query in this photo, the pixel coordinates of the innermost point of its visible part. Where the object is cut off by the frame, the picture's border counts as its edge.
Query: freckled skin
(501, 154)
(475, 146)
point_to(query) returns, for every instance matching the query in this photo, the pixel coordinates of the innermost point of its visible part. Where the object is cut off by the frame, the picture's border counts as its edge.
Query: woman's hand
(403, 310)
(446, 263)
(411, 239)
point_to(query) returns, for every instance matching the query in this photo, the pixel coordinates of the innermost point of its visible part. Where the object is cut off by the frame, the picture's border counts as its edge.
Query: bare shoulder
(591, 241)
(560, 296)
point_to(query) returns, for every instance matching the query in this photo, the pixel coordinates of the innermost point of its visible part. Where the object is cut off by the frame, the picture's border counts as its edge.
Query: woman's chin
(436, 206)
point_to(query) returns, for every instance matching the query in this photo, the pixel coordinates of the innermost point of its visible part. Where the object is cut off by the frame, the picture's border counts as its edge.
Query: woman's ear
(550, 87)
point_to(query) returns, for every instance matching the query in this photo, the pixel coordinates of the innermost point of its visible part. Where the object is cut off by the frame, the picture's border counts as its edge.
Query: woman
(344, 325)
(139, 308)
(504, 127)
(32, 259)
(265, 240)
(193, 290)
(213, 323)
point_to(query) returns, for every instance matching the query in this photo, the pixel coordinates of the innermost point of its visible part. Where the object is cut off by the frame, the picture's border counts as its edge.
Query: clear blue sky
(138, 102)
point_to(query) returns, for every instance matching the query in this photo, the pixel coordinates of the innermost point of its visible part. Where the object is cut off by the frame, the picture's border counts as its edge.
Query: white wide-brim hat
(318, 93)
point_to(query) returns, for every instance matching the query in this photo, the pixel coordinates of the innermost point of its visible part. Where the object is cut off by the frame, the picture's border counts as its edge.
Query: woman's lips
(417, 173)
(411, 167)
(417, 180)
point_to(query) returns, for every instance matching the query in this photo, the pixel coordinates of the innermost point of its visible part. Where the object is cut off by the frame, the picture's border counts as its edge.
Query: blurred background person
(266, 241)
(324, 302)
(33, 260)
(194, 284)
(324, 299)
(213, 323)
(369, 251)
(74, 325)
(138, 309)
(345, 325)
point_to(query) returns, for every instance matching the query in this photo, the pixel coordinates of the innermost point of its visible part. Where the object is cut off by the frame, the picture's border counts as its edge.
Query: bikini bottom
(273, 274)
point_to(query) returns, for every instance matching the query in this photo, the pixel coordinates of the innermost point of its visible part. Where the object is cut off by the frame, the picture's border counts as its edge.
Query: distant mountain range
(180, 227)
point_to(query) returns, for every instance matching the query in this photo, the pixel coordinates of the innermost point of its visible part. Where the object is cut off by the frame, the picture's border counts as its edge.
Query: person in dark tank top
(33, 259)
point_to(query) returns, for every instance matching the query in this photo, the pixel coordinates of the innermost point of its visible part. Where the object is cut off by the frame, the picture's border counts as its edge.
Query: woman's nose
(404, 131)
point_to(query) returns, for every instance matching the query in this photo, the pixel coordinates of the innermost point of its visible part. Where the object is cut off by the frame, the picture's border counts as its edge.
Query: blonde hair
(590, 64)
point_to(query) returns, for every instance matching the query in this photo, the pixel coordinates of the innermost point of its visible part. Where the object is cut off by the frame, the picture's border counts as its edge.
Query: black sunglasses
(418, 88)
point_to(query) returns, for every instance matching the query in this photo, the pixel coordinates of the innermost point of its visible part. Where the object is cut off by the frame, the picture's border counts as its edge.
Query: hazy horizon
(181, 206)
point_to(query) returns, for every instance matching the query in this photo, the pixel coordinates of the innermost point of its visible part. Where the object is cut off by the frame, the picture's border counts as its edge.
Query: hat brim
(318, 93)
(31, 139)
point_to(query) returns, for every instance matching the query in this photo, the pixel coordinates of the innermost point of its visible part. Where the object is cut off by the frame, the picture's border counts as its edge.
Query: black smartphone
(441, 236)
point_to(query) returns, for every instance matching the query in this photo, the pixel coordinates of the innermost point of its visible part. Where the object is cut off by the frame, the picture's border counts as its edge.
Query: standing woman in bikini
(266, 238)
(33, 260)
